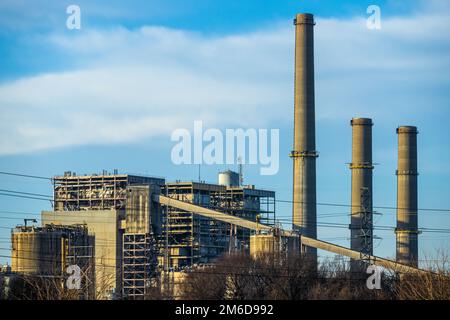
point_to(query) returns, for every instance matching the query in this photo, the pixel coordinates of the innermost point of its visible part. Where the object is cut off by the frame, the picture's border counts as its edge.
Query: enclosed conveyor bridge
(306, 241)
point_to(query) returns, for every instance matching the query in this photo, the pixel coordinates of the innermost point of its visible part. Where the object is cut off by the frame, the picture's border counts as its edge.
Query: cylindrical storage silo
(25, 252)
(229, 179)
(264, 245)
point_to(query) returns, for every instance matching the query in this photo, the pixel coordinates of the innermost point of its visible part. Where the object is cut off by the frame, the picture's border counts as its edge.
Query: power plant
(137, 231)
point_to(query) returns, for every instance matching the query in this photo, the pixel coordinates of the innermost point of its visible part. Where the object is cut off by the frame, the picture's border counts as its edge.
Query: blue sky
(109, 95)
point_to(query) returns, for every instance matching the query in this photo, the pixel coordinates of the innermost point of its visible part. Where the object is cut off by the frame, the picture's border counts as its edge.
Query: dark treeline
(268, 277)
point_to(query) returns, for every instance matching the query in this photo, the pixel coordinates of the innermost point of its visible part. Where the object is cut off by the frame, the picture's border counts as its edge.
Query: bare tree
(427, 286)
(280, 277)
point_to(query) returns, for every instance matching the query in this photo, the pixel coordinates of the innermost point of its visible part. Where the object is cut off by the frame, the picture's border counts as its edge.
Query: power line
(114, 260)
(52, 261)
(25, 197)
(276, 200)
(285, 201)
(349, 205)
(20, 213)
(25, 175)
(236, 218)
(26, 193)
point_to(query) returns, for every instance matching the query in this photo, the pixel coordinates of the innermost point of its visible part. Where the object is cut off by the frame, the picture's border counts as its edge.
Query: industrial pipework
(361, 227)
(406, 231)
(304, 219)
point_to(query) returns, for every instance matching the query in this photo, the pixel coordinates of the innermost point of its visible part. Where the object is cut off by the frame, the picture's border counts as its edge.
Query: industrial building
(125, 223)
(144, 230)
(47, 251)
(134, 237)
(193, 239)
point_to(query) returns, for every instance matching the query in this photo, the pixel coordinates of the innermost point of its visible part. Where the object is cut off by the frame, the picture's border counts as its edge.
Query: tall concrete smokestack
(407, 232)
(362, 207)
(304, 154)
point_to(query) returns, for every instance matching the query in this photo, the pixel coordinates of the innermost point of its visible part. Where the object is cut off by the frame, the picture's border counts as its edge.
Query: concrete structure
(106, 228)
(304, 153)
(142, 214)
(262, 245)
(407, 231)
(125, 222)
(362, 192)
(140, 249)
(356, 255)
(46, 250)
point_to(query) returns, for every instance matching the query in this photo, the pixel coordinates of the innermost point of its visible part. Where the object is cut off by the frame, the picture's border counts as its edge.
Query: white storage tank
(229, 178)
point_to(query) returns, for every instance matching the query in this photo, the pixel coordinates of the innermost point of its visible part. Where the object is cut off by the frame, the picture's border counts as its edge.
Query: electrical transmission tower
(366, 232)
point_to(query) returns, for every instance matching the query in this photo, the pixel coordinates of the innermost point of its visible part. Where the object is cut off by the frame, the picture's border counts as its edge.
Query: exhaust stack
(407, 228)
(304, 154)
(361, 227)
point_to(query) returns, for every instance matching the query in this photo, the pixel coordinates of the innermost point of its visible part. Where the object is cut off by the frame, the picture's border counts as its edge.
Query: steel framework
(139, 265)
(188, 239)
(95, 192)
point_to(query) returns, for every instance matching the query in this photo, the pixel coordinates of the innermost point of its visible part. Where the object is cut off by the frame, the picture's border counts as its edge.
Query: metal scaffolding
(139, 266)
(80, 252)
(188, 239)
(95, 192)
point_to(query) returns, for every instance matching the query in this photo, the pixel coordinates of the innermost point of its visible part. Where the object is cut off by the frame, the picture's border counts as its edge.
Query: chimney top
(407, 129)
(361, 122)
(304, 18)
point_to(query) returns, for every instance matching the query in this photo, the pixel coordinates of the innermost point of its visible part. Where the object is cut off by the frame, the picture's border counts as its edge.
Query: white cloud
(138, 84)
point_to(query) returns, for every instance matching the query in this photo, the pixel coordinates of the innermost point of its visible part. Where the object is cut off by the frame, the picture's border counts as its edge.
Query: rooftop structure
(95, 192)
